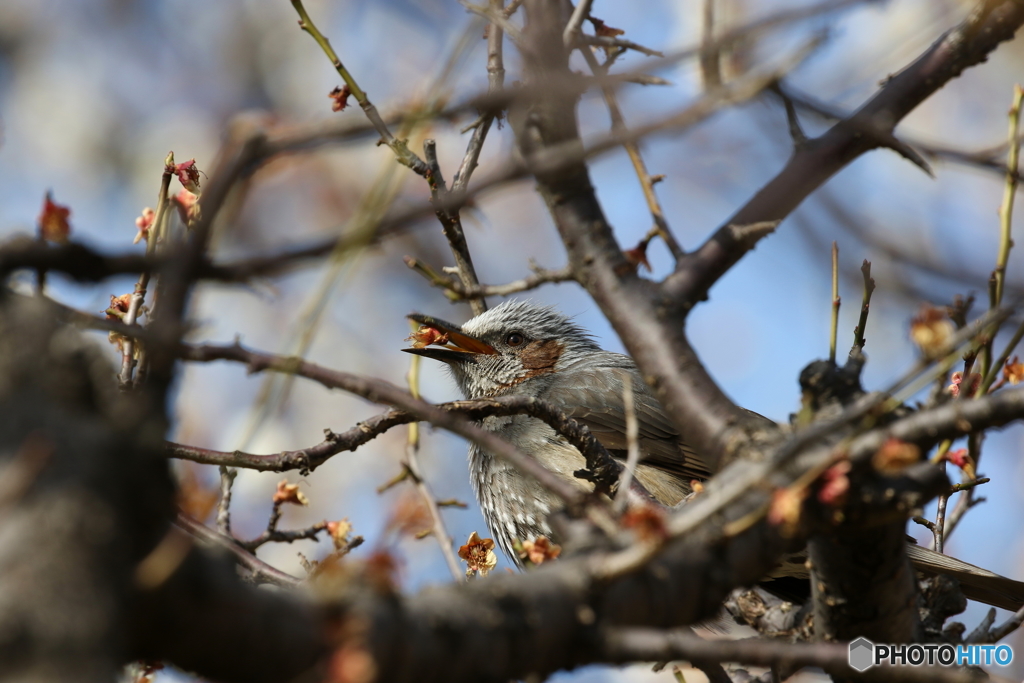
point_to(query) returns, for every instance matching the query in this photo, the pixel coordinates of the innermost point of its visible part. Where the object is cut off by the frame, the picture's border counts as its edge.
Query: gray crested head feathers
(520, 345)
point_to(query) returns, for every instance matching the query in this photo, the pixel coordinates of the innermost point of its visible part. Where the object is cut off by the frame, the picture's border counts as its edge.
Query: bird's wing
(593, 395)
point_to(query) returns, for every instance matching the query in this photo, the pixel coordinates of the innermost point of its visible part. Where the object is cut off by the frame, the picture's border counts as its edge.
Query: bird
(521, 348)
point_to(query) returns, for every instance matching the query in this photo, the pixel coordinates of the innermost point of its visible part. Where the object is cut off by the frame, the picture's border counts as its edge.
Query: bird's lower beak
(445, 341)
(442, 354)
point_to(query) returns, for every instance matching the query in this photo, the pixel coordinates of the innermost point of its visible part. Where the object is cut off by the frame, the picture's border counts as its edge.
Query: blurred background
(94, 93)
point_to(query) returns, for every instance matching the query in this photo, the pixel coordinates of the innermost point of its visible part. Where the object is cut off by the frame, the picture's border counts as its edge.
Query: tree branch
(636, 644)
(457, 291)
(990, 23)
(604, 469)
(379, 391)
(669, 365)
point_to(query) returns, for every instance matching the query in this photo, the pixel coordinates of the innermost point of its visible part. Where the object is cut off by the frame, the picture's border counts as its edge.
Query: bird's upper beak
(445, 341)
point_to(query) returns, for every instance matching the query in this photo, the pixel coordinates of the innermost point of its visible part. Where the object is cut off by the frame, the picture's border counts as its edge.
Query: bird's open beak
(445, 341)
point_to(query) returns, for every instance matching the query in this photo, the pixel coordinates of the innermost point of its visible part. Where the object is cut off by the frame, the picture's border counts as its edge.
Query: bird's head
(515, 347)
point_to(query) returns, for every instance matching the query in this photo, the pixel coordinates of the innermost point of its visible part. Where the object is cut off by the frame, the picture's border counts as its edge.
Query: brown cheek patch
(539, 357)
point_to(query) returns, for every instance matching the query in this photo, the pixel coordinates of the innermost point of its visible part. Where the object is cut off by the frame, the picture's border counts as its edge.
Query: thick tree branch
(93, 508)
(862, 584)
(989, 159)
(990, 23)
(722, 536)
(631, 304)
(948, 421)
(204, 618)
(489, 630)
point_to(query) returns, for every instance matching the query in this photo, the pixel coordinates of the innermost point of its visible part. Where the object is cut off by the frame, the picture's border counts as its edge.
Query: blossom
(339, 532)
(785, 508)
(188, 175)
(835, 484)
(479, 555)
(53, 221)
(895, 456)
(119, 306)
(637, 256)
(957, 384)
(340, 97)
(426, 335)
(188, 209)
(1013, 371)
(603, 29)
(144, 223)
(647, 521)
(539, 550)
(411, 516)
(289, 493)
(962, 459)
(931, 330)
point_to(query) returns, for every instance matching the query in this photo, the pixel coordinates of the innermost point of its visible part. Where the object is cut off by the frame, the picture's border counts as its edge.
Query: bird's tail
(976, 583)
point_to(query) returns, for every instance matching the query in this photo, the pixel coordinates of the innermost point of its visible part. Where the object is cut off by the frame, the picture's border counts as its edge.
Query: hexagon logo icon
(862, 654)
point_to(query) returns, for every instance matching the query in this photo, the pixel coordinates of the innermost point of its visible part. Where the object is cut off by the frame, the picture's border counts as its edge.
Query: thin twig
(139, 294)
(632, 442)
(495, 84)
(980, 633)
(834, 329)
(308, 459)
(964, 485)
(1007, 627)
(940, 523)
(451, 225)
(260, 570)
(968, 500)
(984, 159)
(497, 18)
(380, 391)
(412, 466)
(457, 291)
(85, 264)
(572, 29)
(926, 523)
(710, 53)
(1009, 192)
(273, 535)
(632, 148)
(865, 306)
(997, 281)
(997, 366)
(607, 42)
(405, 155)
(796, 131)
(360, 231)
(227, 479)
(871, 130)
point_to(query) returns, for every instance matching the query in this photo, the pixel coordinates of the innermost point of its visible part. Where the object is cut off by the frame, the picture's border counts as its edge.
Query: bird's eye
(514, 339)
